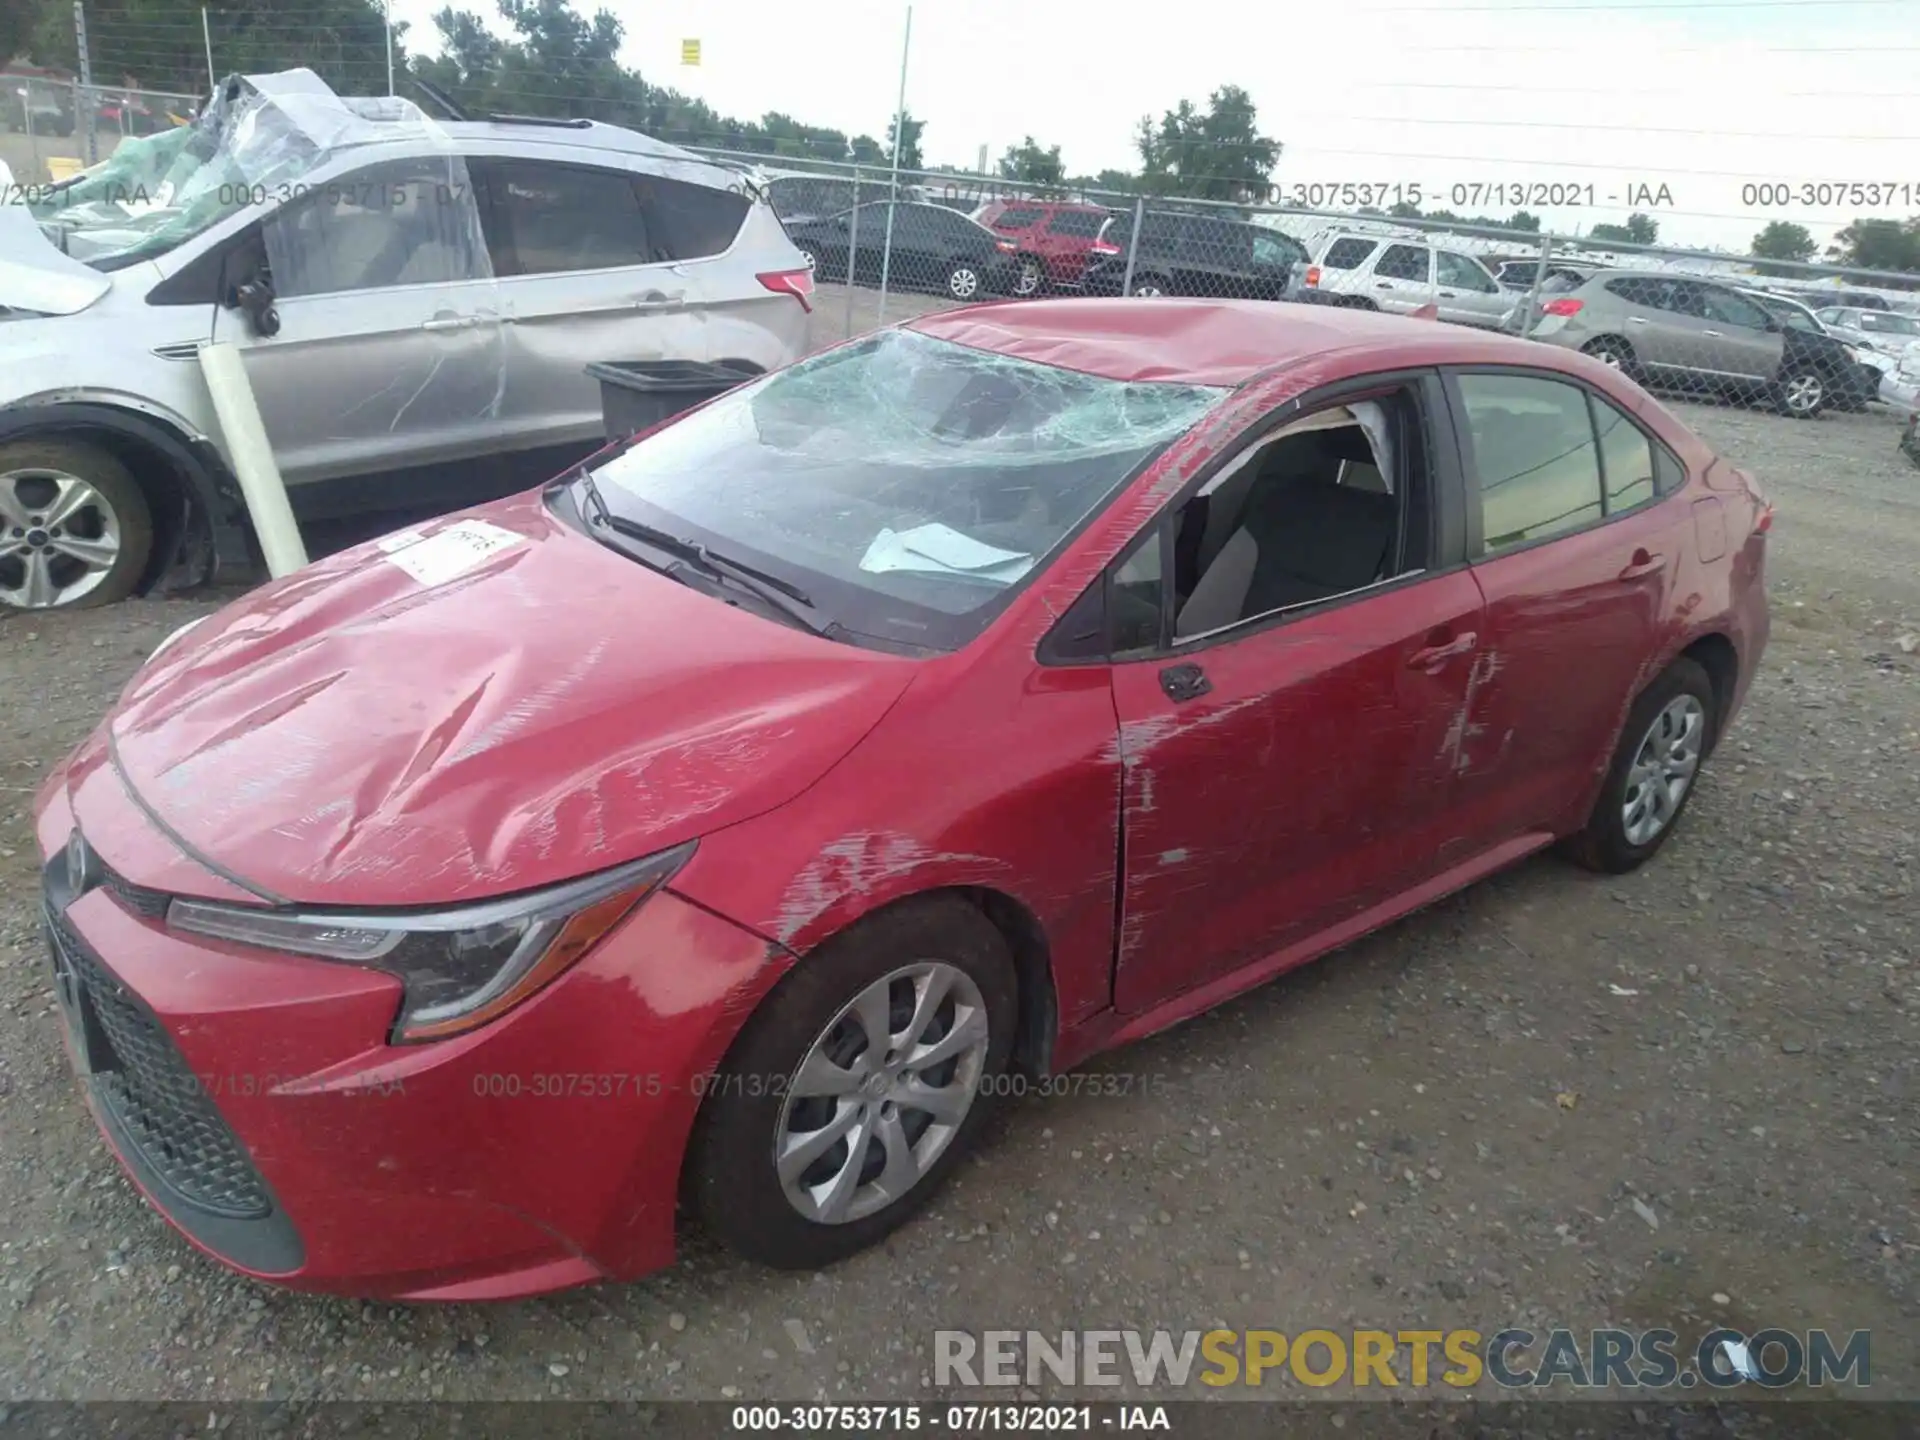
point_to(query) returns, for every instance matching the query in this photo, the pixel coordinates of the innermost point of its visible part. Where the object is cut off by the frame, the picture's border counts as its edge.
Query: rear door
(1068, 242)
(1576, 546)
(597, 263)
(1402, 279)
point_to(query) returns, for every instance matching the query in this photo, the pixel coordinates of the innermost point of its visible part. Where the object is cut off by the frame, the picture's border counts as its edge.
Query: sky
(1674, 107)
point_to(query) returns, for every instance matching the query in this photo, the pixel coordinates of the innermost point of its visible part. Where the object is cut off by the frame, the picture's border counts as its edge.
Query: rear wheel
(1668, 734)
(75, 529)
(1612, 351)
(856, 1087)
(1151, 286)
(1029, 278)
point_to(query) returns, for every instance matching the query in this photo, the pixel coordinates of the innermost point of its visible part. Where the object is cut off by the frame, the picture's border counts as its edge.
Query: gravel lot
(1466, 1120)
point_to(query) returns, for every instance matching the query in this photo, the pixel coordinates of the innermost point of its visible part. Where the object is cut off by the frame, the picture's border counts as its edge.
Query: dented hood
(500, 704)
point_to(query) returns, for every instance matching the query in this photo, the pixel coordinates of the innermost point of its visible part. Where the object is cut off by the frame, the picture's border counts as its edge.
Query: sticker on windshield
(451, 552)
(940, 549)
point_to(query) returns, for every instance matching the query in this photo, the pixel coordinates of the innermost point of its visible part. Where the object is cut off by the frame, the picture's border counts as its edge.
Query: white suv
(416, 303)
(1385, 272)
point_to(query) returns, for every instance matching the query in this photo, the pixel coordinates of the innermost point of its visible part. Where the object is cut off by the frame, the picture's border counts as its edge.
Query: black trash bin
(636, 395)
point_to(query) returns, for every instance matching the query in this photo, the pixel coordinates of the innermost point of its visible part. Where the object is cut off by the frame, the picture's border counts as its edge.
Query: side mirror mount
(255, 299)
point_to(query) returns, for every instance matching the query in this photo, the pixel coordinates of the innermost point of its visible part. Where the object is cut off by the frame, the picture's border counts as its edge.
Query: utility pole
(899, 139)
(206, 34)
(89, 108)
(389, 15)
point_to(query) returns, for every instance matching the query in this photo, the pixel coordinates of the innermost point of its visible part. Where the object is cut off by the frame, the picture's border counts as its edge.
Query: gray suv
(1691, 334)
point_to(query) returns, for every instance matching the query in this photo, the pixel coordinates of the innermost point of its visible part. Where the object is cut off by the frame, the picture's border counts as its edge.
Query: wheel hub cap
(881, 1093)
(1663, 769)
(59, 539)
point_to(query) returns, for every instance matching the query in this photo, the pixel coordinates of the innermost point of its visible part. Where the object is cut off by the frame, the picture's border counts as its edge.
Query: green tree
(1880, 244)
(910, 130)
(1611, 234)
(1030, 165)
(1215, 154)
(1522, 220)
(19, 20)
(1404, 210)
(1783, 240)
(1642, 229)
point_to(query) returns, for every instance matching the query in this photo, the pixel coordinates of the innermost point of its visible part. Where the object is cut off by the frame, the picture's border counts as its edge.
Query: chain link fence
(1799, 338)
(51, 128)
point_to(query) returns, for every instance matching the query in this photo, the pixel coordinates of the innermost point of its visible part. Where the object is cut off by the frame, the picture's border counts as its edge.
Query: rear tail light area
(1313, 274)
(1763, 521)
(1562, 307)
(1103, 247)
(797, 283)
(1005, 246)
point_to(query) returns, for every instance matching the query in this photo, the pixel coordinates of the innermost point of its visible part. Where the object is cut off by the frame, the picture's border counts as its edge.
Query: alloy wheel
(1028, 281)
(881, 1093)
(59, 538)
(1663, 769)
(963, 283)
(1804, 393)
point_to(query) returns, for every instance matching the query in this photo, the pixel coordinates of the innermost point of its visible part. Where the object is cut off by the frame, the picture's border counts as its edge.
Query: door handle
(450, 322)
(1184, 682)
(1446, 295)
(1643, 563)
(1636, 320)
(1714, 333)
(1434, 655)
(1383, 285)
(663, 302)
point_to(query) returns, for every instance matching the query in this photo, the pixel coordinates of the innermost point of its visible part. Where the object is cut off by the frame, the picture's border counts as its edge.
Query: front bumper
(254, 1100)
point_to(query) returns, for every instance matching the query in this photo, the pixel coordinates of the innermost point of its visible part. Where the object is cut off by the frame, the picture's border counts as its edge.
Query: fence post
(206, 34)
(1533, 291)
(853, 248)
(84, 101)
(1133, 243)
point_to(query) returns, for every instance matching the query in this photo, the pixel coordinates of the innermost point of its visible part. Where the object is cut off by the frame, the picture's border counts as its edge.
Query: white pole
(206, 34)
(389, 16)
(252, 456)
(893, 196)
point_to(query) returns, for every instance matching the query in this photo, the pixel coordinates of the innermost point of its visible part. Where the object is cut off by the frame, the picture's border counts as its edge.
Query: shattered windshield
(907, 483)
(157, 192)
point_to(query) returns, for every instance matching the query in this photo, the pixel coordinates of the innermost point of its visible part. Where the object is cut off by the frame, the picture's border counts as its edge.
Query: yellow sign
(689, 52)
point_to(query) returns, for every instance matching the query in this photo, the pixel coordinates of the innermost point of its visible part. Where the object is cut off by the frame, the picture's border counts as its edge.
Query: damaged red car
(715, 829)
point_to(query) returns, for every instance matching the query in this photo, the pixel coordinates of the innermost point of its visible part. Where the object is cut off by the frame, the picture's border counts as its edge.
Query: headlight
(462, 967)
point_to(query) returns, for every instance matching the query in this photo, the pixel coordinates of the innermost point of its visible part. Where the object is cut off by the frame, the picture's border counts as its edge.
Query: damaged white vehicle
(416, 303)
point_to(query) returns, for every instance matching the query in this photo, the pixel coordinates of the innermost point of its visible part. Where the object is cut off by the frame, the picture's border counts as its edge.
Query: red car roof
(1211, 342)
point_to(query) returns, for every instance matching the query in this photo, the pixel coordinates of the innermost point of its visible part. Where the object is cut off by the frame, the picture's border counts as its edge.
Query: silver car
(1382, 272)
(1694, 335)
(415, 303)
(1885, 332)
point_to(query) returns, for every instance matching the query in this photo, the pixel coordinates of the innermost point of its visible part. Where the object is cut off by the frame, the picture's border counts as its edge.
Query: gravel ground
(1680, 1097)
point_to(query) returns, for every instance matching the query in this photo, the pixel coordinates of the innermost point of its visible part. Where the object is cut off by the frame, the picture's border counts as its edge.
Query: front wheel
(856, 1087)
(1668, 733)
(1616, 354)
(1028, 277)
(1803, 395)
(75, 529)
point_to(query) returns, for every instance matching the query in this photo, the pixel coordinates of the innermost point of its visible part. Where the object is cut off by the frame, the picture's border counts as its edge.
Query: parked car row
(1376, 272)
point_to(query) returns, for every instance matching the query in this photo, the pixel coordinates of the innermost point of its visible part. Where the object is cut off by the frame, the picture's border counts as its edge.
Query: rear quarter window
(690, 222)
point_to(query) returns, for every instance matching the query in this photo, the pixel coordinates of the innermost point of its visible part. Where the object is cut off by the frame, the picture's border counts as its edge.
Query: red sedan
(721, 823)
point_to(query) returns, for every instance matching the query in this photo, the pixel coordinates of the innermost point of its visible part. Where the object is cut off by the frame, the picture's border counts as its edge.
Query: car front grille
(160, 1105)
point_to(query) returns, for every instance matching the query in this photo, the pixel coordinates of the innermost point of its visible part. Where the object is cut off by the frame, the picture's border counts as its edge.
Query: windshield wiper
(783, 595)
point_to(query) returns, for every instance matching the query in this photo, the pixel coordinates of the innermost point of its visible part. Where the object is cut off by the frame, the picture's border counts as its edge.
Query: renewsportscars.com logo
(1512, 1359)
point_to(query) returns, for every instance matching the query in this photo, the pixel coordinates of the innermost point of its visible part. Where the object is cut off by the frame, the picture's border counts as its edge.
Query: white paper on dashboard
(941, 548)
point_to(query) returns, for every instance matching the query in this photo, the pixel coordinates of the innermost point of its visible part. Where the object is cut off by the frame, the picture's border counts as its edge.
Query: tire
(734, 1186)
(964, 282)
(105, 511)
(1612, 351)
(1151, 287)
(813, 258)
(1803, 394)
(1607, 844)
(1029, 276)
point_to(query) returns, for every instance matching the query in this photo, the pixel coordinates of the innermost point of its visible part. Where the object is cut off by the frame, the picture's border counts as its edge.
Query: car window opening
(1321, 509)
